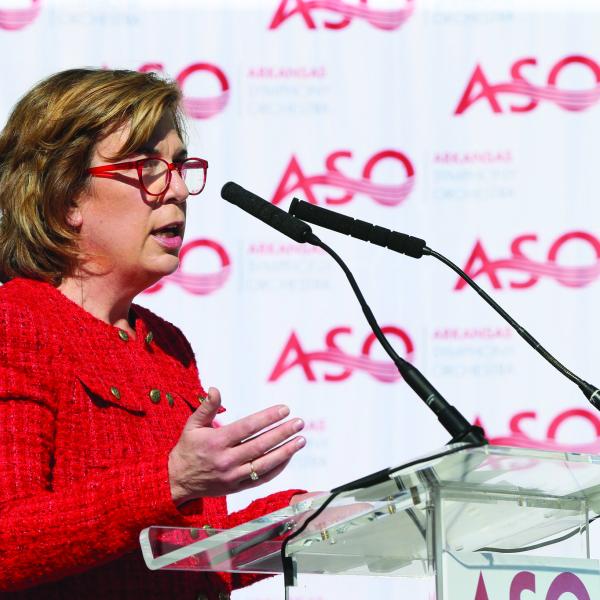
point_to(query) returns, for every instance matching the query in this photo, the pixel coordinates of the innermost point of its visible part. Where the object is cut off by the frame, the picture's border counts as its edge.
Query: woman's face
(122, 230)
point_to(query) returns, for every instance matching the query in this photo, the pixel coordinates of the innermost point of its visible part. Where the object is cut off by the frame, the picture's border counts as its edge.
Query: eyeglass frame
(106, 171)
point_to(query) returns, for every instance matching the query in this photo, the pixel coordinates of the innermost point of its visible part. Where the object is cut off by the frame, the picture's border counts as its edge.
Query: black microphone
(416, 248)
(394, 240)
(450, 418)
(267, 213)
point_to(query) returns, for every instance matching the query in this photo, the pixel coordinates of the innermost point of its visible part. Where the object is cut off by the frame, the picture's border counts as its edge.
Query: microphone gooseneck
(415, 247)
(450, 418)
(589, 391)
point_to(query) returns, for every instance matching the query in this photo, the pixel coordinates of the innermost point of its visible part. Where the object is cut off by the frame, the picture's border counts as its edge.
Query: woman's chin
(161, 267)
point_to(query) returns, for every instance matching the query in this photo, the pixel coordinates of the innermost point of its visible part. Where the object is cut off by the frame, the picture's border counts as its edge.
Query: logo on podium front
(490, 576)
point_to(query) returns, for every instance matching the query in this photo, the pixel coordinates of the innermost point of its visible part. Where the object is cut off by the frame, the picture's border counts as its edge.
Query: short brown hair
(45, 151)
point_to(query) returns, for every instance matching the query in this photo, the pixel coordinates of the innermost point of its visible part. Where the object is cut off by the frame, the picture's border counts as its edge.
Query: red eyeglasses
(155, 173)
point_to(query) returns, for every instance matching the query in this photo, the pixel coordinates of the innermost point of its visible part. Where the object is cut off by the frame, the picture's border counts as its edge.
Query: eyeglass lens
(155, 178)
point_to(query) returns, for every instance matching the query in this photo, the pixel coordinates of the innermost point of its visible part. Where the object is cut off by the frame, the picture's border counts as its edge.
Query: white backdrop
(473, 124)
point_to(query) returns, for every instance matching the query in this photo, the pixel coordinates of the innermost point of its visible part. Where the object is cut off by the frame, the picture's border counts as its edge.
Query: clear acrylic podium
(490, 499)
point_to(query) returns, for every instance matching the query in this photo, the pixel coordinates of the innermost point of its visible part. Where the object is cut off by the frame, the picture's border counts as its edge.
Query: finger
(264, 442)
(204, 415)
(236, 432)
(248, 483)
(267, 462)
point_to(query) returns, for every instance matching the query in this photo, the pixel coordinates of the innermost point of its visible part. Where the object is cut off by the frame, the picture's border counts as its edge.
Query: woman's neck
(109, 303)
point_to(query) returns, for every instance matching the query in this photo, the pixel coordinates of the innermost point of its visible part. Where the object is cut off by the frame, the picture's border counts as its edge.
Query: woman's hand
(214, 462)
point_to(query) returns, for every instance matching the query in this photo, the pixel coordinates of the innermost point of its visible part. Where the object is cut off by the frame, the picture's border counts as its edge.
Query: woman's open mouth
(169, 236)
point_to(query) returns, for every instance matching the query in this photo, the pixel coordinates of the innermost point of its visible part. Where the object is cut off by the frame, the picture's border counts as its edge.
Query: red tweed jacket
(87, 420)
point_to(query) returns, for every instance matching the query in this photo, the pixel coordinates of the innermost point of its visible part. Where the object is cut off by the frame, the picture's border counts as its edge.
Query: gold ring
(253, 473)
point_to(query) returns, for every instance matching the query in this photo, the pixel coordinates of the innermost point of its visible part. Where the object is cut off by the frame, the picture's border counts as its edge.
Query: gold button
(123, 335)
(170, 399)
(155, 396)
(201, 398)
(149, 337)
(115, 392)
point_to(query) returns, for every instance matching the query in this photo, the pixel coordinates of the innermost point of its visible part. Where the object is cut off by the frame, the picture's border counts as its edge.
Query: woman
(104, 426)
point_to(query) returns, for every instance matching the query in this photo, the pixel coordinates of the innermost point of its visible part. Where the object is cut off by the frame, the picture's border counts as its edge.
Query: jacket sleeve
(48, 534)
(45, 534)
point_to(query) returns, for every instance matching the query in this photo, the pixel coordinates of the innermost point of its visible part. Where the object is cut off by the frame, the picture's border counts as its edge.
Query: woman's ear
(75, 217)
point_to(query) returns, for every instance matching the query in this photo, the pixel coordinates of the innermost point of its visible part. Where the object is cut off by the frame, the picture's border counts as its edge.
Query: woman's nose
(177, 191)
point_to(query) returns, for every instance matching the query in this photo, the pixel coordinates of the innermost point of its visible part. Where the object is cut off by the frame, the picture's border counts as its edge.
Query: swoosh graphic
(523, 441)
(574, 100)
(569, 276)
(204, 108)
(382, 19)
(381, 370)
(387, 195)
(199, 285)
(15, 19)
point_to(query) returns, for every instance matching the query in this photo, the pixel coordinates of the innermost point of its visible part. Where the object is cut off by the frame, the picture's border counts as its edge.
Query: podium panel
(490, 500)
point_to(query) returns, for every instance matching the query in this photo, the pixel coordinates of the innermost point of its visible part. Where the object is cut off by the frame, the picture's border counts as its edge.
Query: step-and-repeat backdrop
(472, 124)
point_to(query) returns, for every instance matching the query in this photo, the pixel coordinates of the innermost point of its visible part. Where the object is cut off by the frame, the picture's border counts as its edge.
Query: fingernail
(284, 411)
(298, 424)
(300, 442)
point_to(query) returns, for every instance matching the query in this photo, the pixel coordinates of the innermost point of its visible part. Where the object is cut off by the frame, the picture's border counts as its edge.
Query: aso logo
(295, 179)
(565, 584)
(479, 87)
(198, 283)
(519, 438)
(295, 357)
(389, 19)
(479, 263)
(198, 107)
(18, 18)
